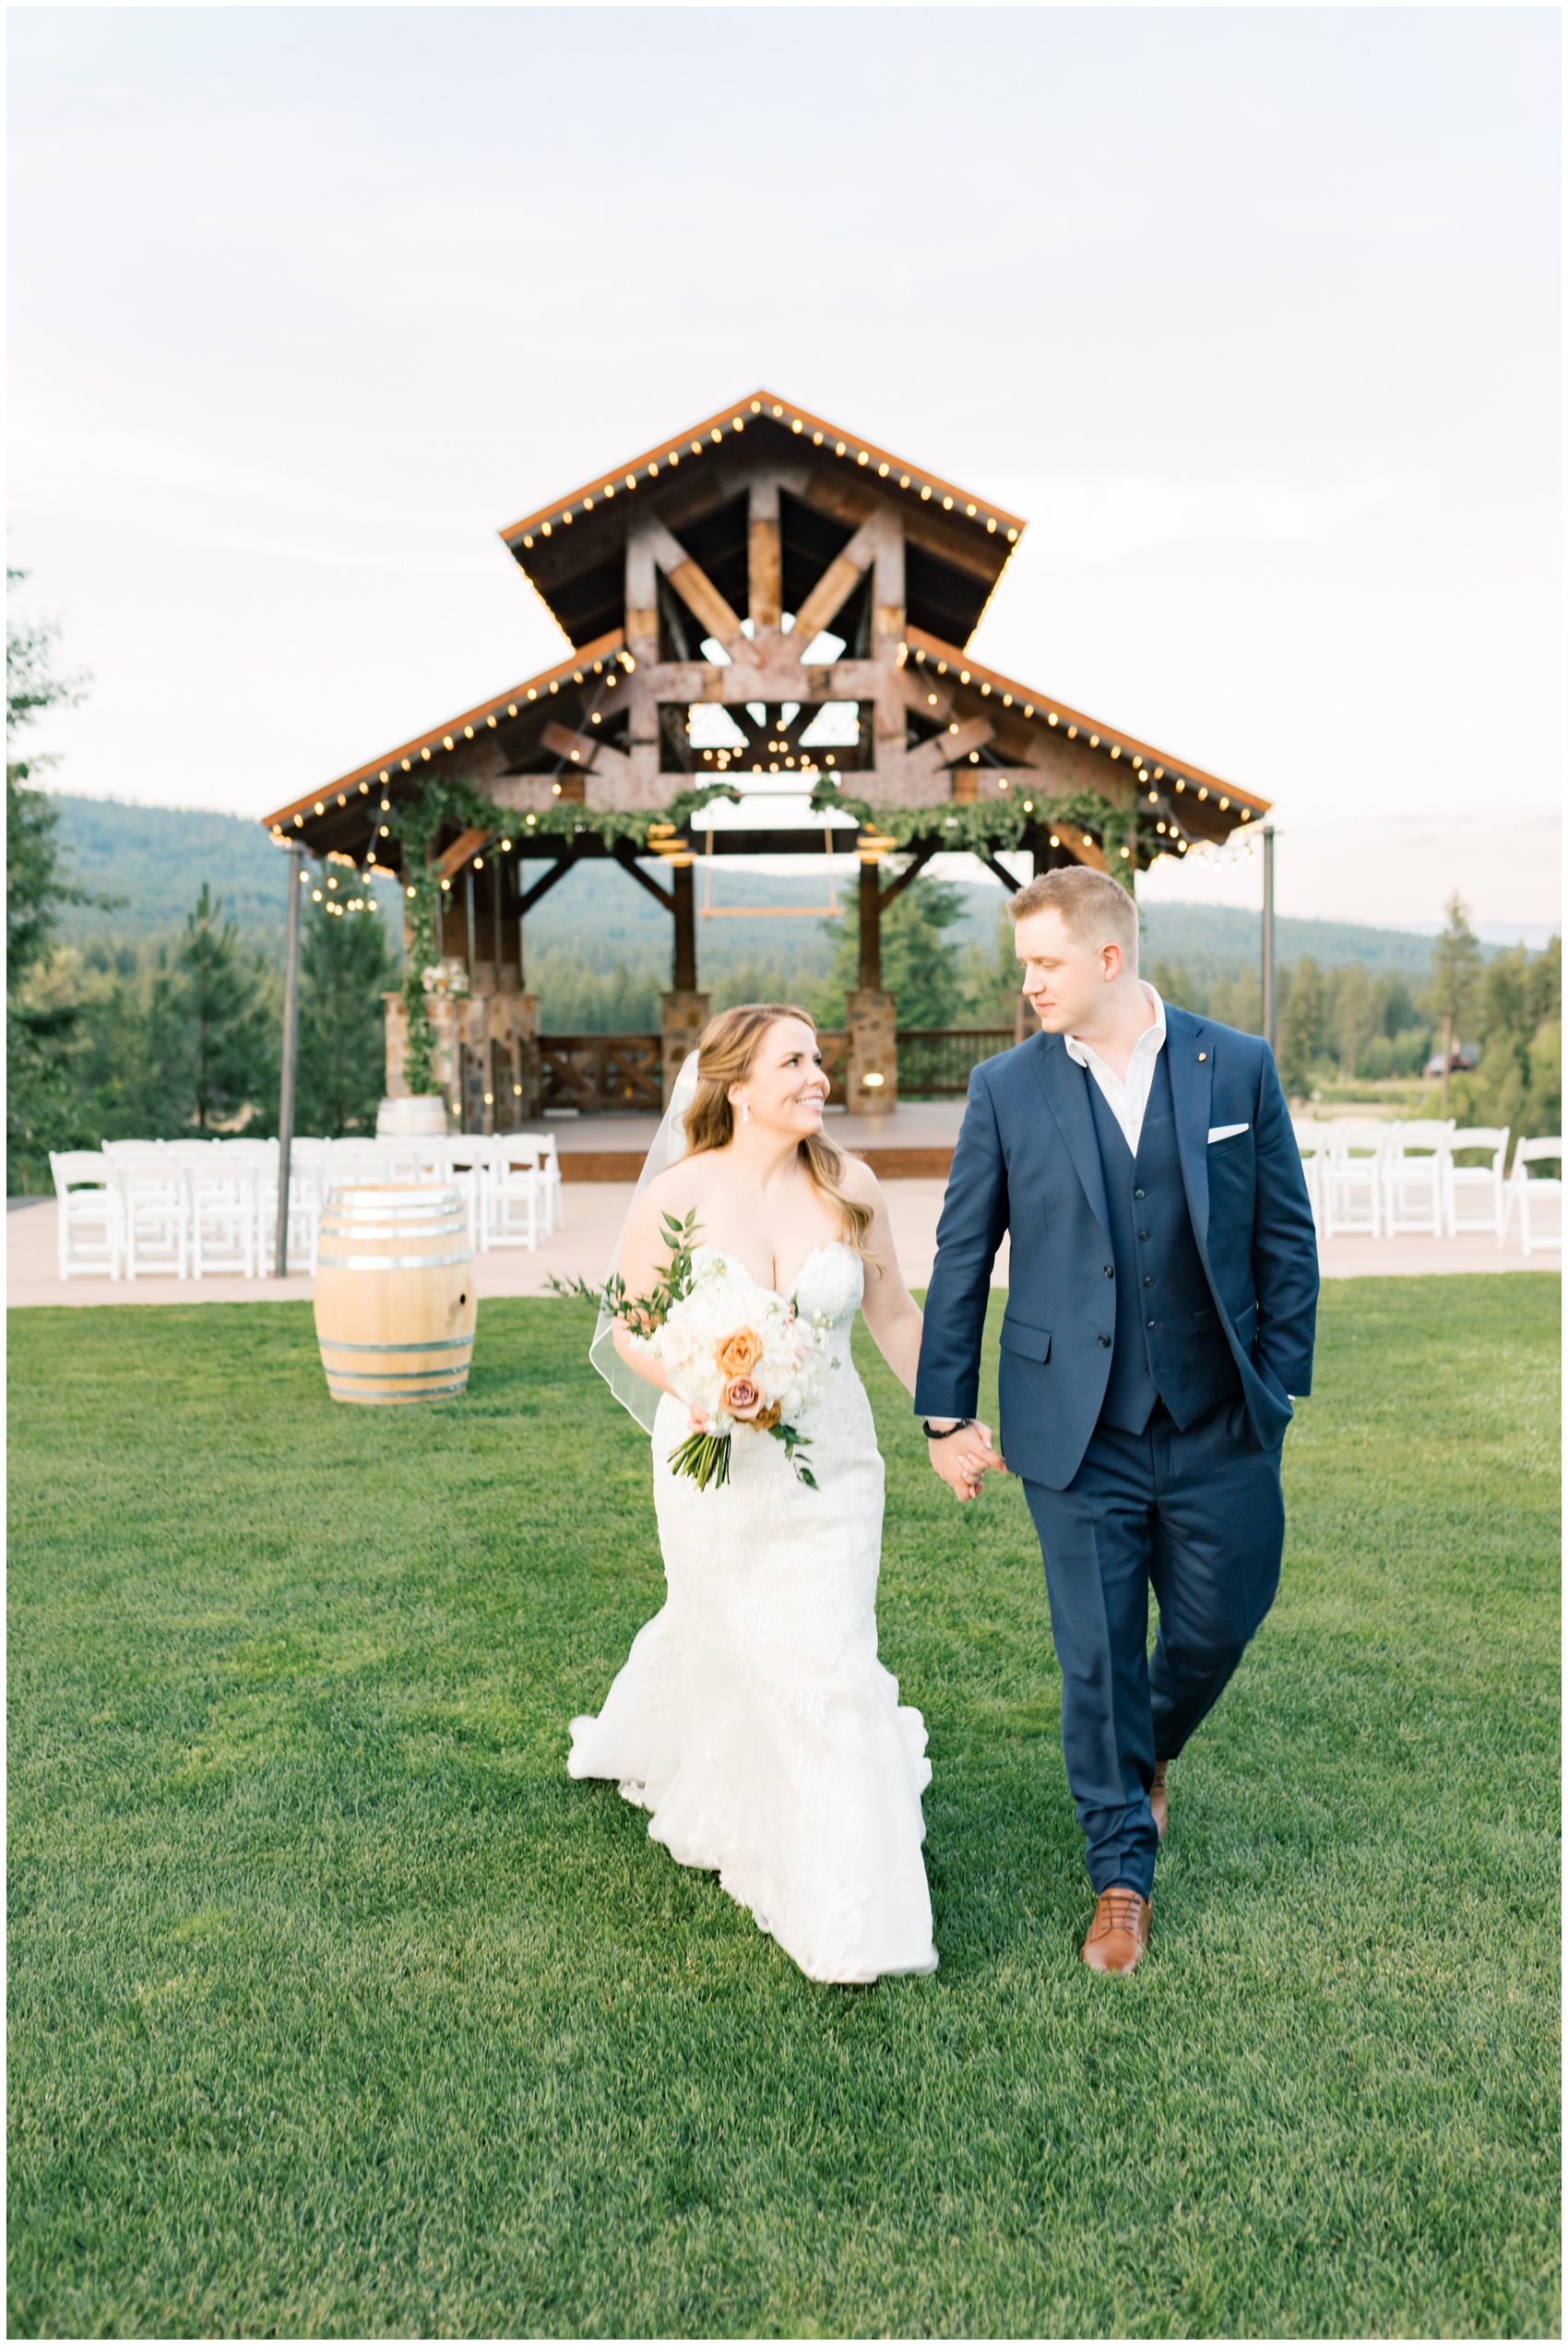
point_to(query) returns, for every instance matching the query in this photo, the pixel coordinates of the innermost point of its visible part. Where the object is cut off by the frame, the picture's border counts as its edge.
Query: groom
(1162, 1296)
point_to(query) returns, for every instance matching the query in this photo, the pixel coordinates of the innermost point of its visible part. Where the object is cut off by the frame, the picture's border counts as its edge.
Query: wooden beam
(585, 750)
(759, 672)
(467, 843)
(985, 856)
(946, 748)
(625, 855)
(683, 906)
(922, 857)
(871, 930)
(832, 590)
(558, 870)
(765, 557)
(692, 583)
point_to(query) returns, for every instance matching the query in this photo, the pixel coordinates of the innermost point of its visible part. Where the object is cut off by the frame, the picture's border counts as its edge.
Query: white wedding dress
(752, 1717)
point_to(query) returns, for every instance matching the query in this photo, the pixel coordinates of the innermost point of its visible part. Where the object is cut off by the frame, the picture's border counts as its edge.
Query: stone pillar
(530, 1075)
(514, 1054)
(682, 1016)
(396, 1046)
(871, 1020)
(444, 1052)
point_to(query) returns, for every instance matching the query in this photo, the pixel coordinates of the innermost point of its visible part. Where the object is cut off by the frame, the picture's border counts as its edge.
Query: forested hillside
(157, 858)
(145, 981)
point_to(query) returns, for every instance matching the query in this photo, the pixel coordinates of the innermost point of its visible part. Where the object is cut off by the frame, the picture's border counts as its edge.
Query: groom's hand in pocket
(965, 1457)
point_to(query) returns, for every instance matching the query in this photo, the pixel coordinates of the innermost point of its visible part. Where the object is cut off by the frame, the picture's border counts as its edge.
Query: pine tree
(346, 965)
(38, 1105)
(1354, 1015)
(1300, 1025)
(919, 968)
(210, 1026)
(1456, 966)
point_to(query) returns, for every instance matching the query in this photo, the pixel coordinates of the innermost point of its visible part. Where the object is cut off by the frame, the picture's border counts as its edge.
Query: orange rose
(739, 1354)
(765, 1420)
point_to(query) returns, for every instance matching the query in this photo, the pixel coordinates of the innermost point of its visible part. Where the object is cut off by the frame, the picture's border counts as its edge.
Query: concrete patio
(594, 1213)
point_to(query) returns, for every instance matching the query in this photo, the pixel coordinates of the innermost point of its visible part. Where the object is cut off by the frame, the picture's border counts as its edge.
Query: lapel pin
(1202, 1056)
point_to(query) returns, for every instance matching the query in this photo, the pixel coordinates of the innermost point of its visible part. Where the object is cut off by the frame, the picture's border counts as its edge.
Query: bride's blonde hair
(726, 1054)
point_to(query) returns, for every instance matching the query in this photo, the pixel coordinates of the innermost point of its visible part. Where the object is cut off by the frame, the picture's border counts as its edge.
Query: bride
(752, 1717)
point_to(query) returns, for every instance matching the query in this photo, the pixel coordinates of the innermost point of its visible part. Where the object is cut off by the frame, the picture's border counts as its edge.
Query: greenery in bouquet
(729, 1346)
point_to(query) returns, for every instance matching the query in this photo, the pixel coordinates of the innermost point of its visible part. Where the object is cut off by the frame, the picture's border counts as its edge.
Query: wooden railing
(603, 1072)
(600, 1073)
(935, 1062)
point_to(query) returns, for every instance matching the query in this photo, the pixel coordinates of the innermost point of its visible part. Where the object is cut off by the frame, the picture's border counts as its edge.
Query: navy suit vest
(1168, 1345)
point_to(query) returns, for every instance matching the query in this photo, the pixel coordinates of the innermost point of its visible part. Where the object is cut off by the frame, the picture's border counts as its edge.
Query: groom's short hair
(1095, 909)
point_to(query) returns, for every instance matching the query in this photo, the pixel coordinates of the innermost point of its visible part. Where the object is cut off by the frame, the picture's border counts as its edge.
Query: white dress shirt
(1127, 1096)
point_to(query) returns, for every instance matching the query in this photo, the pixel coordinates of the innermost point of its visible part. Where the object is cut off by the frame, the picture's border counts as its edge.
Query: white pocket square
(1225, 1132)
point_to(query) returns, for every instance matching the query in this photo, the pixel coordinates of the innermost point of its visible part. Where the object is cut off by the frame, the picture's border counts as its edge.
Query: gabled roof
(337, 816)
(1214, 806)
(573, 549)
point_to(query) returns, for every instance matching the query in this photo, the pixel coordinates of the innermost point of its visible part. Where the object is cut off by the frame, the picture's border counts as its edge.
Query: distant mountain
(157, 857)
(1221, 933)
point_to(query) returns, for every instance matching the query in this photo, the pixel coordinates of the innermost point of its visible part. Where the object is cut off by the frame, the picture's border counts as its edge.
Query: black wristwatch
(957, 1427)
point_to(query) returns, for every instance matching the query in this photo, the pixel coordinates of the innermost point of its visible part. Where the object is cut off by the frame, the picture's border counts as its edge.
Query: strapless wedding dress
(752, 1717)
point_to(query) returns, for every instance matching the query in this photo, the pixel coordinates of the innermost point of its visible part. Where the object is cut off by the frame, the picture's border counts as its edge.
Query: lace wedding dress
(752, 1717)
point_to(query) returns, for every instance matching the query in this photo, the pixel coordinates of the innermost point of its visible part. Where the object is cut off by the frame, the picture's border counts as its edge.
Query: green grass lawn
(335, 2007)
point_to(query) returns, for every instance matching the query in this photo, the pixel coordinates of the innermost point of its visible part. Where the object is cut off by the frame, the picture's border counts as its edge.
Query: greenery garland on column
(418, 823)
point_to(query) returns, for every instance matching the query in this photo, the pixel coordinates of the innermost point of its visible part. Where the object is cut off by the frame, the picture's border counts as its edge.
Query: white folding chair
(221, 1208)
(307, 1161)
(1473, 1196)
(154, 1209)
(1531, 1195)
(549, 1180)
(1312, 1141)
(1351, 1177)
(514, 1190)
(462, 1164)
(1415, 1158)
(86, 1214)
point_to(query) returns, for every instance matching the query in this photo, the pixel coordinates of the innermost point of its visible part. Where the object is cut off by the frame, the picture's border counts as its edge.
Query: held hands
(964, 1456)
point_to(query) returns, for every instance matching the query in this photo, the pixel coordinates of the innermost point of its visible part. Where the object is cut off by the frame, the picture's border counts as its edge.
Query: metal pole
(1269, 1022)
(290, 1056)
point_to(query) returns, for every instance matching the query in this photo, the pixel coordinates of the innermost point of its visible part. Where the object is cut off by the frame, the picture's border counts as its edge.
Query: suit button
(1153, 1323)
(1143, 1234)
(1109, 1272)
(1105, 1341)
(1139, 1192)
(1148, 1283)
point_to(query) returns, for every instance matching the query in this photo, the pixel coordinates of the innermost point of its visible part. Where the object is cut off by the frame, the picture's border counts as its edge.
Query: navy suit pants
(1197, 1516)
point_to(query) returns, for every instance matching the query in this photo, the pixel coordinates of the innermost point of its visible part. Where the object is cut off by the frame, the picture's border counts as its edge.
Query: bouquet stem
(705, 1457)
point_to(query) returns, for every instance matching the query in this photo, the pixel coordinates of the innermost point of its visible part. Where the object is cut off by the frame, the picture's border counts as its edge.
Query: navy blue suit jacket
(1028, 1162)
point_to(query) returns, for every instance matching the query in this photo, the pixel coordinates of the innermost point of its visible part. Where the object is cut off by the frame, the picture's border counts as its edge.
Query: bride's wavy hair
(727, 1054)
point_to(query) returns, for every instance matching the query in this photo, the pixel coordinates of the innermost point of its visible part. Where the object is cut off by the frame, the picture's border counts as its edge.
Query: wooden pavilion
(764, 599)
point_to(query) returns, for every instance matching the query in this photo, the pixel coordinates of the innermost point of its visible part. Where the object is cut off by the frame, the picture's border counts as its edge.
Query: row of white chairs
(1395, 1180)
(201, 1208)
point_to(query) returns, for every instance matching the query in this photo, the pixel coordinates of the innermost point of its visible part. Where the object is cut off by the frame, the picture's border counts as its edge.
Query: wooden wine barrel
(395, 1302)
(420, 1115)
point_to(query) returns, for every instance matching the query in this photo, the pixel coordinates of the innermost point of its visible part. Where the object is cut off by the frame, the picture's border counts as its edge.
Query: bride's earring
(745, 1114)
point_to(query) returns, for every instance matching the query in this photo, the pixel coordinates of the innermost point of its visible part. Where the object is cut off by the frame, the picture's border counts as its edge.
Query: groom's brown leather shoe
(1159, 1799)
(1119, 1933)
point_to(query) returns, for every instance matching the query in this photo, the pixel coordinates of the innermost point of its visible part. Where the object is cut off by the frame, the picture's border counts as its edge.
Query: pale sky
(1254, 314)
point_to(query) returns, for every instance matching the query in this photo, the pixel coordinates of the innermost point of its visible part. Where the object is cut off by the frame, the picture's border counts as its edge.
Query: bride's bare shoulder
(859, 1182)
(674, 1191)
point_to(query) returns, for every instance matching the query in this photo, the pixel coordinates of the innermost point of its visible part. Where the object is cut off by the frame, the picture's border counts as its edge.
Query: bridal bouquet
(745, 1356)
(729, 1346)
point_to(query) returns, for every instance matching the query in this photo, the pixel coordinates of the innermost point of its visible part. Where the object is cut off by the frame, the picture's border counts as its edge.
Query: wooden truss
(768, 565)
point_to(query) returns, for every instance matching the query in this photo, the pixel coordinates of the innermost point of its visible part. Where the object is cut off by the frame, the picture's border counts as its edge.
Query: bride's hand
(697, 1418)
